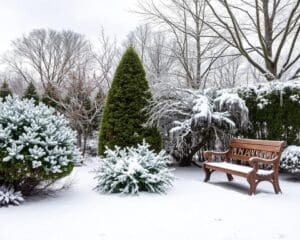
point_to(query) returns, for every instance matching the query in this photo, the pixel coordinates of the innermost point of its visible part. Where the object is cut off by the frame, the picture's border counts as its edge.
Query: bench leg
(252, 183)
(229, 177)
(276, 185)
(252, 189)
(207, 174)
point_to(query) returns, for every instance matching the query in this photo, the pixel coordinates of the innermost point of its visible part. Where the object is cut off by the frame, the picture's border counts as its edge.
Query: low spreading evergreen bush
(36, 145)
(8, 196)
(132, 170)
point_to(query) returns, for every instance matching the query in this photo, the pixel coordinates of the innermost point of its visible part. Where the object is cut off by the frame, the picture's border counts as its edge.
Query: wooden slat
(239, 157)
(257, 142)
(252, 145)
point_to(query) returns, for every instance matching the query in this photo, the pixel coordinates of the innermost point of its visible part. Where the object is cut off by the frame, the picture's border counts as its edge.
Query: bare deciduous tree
(195, 49)
(80, 103)
(140, 39)
(106, 58)
(265, 32)
(226, 72)
(154, 49)
(160, 58)
(47, 56)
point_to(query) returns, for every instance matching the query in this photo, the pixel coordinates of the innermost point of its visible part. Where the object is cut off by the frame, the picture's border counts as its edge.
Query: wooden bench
(254, 153)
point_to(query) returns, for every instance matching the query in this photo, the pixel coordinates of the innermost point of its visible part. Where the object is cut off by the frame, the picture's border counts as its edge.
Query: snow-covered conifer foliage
(274, 110)
(132, 170)
(290, 159)
(36, 144)
(193, 119)
(8, 196)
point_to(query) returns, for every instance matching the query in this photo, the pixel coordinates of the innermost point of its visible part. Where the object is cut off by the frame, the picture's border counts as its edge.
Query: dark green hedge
(274, 114)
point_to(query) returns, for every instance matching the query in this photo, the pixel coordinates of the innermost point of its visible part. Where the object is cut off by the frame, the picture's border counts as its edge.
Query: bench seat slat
(244, 170)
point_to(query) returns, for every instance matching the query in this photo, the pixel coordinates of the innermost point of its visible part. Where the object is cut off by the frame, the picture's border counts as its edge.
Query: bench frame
(253, 152)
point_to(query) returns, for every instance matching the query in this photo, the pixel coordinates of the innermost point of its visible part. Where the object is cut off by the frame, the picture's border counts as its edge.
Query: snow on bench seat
(238, 168)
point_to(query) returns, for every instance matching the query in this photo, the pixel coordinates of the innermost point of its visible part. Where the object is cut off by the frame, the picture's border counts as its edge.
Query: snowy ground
(191, 210)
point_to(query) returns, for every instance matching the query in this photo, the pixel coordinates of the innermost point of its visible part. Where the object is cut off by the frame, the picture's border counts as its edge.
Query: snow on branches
(290, 159)
(132, 170)
(36, 144)
(193, 119)
(262, 91)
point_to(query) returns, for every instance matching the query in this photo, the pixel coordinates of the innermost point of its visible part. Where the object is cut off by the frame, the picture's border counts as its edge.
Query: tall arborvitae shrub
(31, 93)
(5, 90)
(123, 120)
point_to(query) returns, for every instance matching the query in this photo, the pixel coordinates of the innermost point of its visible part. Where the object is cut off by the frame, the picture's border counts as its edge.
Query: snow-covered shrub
(290, 159)
(8, 196)
(132, 170)
(36, 144)
(274, 110)
(193, 119)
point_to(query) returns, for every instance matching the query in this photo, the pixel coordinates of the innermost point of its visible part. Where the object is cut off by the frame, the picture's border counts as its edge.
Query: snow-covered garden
(190, 210)
(135, 189)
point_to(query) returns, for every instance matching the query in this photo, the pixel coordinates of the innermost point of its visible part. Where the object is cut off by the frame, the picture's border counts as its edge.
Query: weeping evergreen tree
(123, 119)
(5, 90)
(31, 93)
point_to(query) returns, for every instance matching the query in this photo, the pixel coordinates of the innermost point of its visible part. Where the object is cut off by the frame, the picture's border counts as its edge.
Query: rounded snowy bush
(290, 159)
(132, 170)
(36, 145)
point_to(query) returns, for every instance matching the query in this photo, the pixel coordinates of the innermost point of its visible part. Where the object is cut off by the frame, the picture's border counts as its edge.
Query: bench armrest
(254, 161)
(208, 155)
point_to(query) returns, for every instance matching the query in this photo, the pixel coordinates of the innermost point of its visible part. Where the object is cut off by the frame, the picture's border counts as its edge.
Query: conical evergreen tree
(123, 119)
(5, 90)
(50, 97)
(31, 93)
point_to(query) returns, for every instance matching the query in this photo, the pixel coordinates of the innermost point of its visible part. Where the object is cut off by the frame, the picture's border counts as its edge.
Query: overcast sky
(82, 16)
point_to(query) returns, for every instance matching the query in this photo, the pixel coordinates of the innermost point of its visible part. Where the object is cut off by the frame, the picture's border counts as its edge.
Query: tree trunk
(268, 36)
(198, 48)
(84, 143)
(79, 139)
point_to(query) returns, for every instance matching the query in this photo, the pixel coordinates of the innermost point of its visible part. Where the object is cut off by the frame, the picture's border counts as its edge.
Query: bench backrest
(244, 149)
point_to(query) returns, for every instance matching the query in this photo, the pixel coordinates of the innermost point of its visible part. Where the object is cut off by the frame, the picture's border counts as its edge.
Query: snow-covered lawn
(190, 210)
